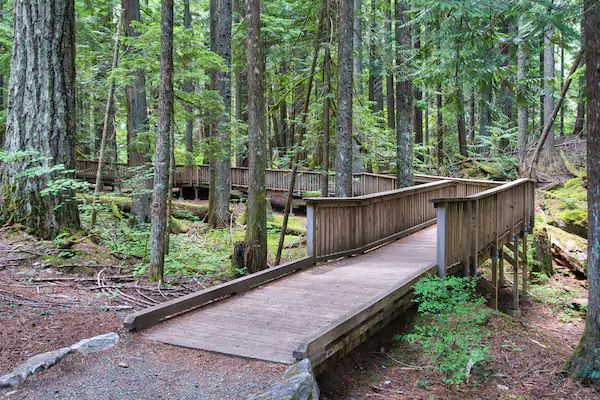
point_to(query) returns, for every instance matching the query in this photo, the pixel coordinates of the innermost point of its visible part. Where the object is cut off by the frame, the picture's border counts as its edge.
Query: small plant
(454, 337)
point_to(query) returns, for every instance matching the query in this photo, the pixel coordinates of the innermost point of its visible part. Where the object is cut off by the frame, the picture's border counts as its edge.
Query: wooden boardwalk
(347, 287)
(273, 321)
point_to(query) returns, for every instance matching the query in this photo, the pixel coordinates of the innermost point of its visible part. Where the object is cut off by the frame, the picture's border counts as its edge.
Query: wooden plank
(152, 315)
(356, 317)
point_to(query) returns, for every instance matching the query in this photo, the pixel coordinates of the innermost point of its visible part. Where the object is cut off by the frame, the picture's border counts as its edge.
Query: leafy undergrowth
(195, 250)
(525, 361)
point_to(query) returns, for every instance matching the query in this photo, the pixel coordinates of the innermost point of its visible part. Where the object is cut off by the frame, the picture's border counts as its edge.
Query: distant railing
(277, 179)
(471, 228)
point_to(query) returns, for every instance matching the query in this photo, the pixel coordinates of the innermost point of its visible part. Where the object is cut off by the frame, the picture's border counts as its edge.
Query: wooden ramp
(305, 314)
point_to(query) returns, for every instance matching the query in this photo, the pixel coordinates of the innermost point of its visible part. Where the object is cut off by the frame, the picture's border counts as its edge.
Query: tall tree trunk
(471, 127)
(255, 251)
(404, 101)
(548, 151)
(213, 42)
(343, 129)
(562, 80)
(219, 215)
(389, 76)
(189, 88)
(580, 117)
(541, 72)
(418, 95)
(326, 100)
(585, 363)
(162, 153)
(241, 92)
(522, 87)
(41, 116)
(357, 33)
(485, 113)
(375, 84)
(138, 145)
(105, 129)
(440, 127)
(460, 114)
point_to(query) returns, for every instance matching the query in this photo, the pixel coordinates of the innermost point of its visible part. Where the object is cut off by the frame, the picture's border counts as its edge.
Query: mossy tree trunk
(137, 123)
(41, 115)
(404, 101)
(343, 128)
(163, 144)
(255, 243)
(585, 363)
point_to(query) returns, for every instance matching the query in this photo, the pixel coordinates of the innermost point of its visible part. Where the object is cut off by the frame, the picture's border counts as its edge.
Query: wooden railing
(471, 228)
(279, 179)
(338, 227)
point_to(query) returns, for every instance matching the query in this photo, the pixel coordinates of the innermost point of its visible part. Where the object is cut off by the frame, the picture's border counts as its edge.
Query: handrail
(338, 227)
(474, 228)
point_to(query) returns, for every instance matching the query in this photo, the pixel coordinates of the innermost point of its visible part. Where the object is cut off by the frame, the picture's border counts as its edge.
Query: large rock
(299, 383)
(33, 365)
(46, 360)
(96, 343)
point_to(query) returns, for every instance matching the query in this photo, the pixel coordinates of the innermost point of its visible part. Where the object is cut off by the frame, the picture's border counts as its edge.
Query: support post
(502, 281)
(441, 240)
(516, 312)
(310, 230)
(495, 274)
(195, 192)
(474, 239)
(180, 193)
(525, 266)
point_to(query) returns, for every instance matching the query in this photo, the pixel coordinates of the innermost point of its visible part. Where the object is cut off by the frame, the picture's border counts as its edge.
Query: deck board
(269, 322)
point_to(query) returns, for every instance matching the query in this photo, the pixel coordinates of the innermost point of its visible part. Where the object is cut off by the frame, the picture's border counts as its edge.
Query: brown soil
(526, 361)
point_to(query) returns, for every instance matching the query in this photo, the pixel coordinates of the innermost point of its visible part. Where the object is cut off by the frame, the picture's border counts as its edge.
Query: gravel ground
(142, 369)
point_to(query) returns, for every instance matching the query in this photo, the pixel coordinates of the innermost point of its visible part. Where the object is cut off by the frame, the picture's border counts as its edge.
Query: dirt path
(141, 369)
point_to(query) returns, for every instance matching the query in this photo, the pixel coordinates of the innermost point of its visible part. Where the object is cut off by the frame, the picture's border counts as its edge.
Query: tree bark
(41, 116)
(219, 216)
(326, 101)
(389, 76)
(255, 241)
(440, 127)
(585, 363)
(357, 34)
(107, 121)
(138, 145)
(375, 84)
(162, 153)
(343, 129)
(189, 88)
(522, 87)
(548, 151)
(404, 101)
(580, 118)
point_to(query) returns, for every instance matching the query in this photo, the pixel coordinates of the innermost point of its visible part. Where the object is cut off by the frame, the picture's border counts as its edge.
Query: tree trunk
(440, 127)
(548, 151)
(41, 116)
(219, 216)
(580, 118)
(255, 242)
(357, 34)
(326, 101)
(585, 363)
(418, 95)
(189, 88)
(404, 101)
(522, 87)
(212, 191)
(162, 153)
(389, 76)
(375, 84)
(562, 80)
(343, 129)
(485, 112)
(138, 145)
(109, 113)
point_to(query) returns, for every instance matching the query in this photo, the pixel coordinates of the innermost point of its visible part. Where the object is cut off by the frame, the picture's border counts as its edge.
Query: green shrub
(454, 337)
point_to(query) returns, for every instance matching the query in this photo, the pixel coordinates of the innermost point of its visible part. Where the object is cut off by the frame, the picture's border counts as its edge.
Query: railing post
(441, 240)
(310, 230)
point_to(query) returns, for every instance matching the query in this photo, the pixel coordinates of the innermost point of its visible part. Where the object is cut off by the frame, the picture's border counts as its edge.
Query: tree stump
(543, 249)
(248, 256)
